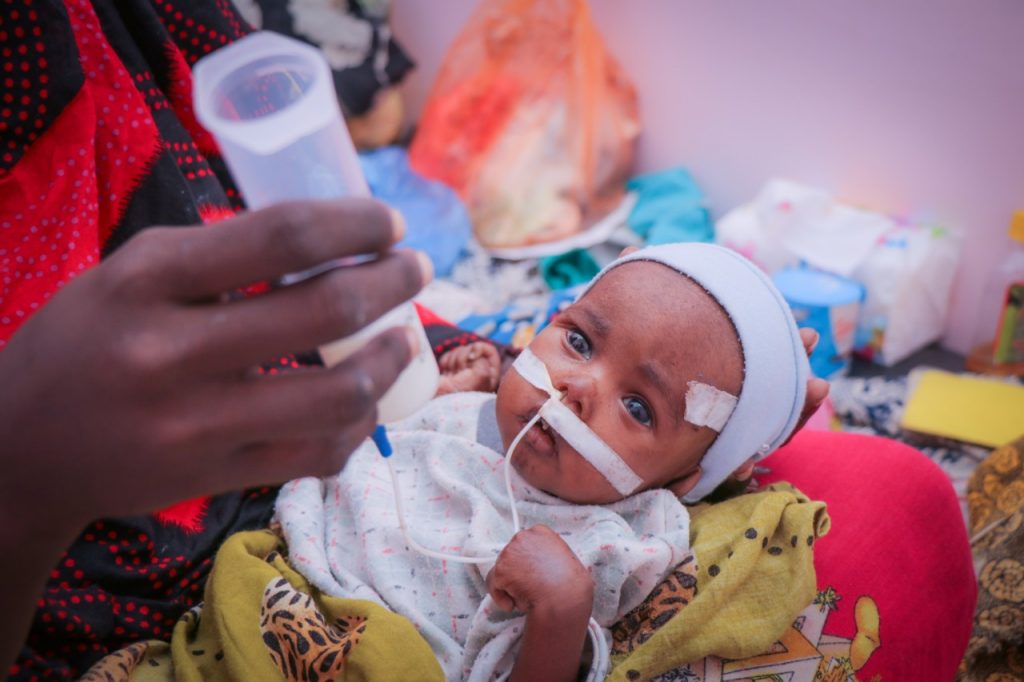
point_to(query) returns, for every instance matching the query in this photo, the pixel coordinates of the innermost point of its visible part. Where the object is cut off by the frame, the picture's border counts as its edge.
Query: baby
(677, 366)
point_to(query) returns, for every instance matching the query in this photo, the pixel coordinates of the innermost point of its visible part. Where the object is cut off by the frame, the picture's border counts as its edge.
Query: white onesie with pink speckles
(343, 534)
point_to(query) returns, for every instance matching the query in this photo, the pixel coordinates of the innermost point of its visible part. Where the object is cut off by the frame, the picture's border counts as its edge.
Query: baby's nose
(578, 391)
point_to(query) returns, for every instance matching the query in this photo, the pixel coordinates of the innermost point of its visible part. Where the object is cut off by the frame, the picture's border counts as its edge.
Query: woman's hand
(134, 387)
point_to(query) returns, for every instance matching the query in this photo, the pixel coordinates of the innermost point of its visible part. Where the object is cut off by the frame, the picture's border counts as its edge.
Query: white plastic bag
(532, 121)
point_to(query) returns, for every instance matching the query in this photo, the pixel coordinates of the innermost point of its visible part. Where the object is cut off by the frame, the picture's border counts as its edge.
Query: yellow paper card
(965, 408)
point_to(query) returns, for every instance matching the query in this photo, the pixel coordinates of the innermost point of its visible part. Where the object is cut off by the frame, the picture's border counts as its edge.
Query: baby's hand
(473, 367)
(470, 355)
(537, 571)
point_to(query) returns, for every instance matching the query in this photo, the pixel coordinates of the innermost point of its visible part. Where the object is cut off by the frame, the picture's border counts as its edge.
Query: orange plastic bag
(531, 121)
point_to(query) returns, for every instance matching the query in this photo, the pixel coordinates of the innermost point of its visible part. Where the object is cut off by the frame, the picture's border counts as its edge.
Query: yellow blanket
(755, 573)
(260, 620)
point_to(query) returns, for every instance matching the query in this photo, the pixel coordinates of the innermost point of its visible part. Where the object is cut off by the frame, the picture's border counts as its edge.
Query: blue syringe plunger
(380, 439)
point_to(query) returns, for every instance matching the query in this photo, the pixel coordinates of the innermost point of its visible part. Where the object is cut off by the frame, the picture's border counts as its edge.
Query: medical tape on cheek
(590, 446)
(708, 406)
(573, 430)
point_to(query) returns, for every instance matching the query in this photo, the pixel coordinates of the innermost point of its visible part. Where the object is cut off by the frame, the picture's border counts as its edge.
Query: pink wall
(914, 107)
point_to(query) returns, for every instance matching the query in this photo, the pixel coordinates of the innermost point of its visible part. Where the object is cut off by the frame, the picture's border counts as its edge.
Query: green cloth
(669, 208)
(261, 620)
(755, 574)
(568, 269)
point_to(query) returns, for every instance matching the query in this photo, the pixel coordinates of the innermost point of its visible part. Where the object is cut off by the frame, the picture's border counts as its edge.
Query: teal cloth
(669, 208)
(568, 269)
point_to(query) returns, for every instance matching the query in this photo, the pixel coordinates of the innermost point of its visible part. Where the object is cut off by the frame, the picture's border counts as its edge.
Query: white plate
(595, 234)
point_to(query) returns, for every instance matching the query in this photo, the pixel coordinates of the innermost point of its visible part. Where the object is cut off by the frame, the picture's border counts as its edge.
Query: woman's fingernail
(397, 225)
(426, 267)
(814, 343)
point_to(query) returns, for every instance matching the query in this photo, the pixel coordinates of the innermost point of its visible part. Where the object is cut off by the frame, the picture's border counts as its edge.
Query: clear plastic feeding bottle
(998, 342)
(270, 103)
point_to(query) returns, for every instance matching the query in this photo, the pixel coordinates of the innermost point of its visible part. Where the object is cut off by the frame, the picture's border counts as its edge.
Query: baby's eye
(638, 410)
(579, 342)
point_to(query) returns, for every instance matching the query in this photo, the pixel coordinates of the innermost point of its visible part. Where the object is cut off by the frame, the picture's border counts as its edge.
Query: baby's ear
(628, 250)
(683, 485)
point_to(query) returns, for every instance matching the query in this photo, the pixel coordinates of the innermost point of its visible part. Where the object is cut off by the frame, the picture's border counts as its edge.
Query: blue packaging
(436, 220)
(829, 304)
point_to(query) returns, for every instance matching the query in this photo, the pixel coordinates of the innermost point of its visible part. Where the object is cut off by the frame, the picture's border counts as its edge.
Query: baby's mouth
(541, 438)
(546, 429)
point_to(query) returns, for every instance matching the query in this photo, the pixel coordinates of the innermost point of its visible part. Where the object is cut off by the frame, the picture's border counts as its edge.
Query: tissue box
(908, 277)
(906, 269)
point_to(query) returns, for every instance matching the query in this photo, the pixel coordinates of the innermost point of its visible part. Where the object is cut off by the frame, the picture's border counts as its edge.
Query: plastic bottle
(998, 344)
(270, 103)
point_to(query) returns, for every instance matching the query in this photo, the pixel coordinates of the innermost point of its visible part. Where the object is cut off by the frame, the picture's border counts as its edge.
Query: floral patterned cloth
(995, 496)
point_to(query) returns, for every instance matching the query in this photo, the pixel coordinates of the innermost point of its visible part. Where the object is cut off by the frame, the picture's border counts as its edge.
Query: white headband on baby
(775, 369)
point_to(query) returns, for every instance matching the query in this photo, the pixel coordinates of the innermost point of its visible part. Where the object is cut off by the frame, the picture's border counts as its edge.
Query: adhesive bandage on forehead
(573, 430)
(708, 406)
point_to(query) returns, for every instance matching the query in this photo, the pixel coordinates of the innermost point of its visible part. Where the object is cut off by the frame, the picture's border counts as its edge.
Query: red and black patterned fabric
(442, 334)
(445, 336)
(129, 579)
(98, 141)
(97, 135)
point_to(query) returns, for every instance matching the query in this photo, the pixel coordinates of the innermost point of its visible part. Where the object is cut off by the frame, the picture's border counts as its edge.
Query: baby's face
(622, 356)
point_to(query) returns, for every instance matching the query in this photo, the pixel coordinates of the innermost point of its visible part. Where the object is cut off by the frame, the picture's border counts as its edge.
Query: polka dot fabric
(30, 67)
(444, 336)
(97, 136)
(49, 212)
(129, 579)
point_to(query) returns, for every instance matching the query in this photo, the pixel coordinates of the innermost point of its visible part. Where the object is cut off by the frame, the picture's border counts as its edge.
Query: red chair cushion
(897, 557)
